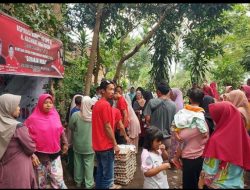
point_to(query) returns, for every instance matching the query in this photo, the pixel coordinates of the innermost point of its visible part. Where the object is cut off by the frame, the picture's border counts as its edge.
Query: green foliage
(181, 80)
(71, 83)
(228, 73)
(231, 67)
(208, 22)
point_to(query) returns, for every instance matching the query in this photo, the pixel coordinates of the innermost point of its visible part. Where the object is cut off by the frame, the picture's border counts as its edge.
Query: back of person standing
(160, 112)
(74, 107)
(103, 139)
(16, 147)
(122, 105)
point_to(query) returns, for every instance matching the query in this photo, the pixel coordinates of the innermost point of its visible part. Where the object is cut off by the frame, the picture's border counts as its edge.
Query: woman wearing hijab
(207, 90)
(238, 98)
(81, 125)
(138, 107)
(246, 89)
(177, 98)
(207, 100)
(213, 86)
(227, 151)
(16, 147)
(46, 130)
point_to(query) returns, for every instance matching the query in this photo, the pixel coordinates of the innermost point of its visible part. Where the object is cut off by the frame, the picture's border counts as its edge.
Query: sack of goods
(125, 164)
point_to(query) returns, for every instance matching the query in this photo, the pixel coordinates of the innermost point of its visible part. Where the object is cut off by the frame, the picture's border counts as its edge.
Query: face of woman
(138, 95)
(47, 105)
(11, 51)
(16, 113)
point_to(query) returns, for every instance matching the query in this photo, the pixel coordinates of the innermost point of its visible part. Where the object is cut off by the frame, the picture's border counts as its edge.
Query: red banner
(24, 51)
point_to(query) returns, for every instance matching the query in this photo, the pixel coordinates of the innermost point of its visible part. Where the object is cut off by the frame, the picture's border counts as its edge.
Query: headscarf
(213, 86)
(207, 90)
(246, 89)
(230, 141)
(179, 99)
(227, 90)
(45, 128)
(8, 104)
(238, 98)
(85, 110)
(207, 100)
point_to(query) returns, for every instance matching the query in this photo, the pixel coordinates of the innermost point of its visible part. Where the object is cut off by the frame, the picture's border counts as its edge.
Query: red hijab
(230, 141)
(45, 128)
(213, 86)
(246, 89)
(207, 90)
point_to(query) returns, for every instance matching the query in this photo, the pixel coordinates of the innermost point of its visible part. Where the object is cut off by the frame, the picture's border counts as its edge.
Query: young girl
(152, 164)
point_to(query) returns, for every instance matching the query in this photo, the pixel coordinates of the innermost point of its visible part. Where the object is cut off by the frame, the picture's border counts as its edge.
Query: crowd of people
(207, 137)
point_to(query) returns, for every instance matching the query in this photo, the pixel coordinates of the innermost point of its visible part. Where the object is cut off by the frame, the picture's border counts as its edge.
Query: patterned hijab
(8, 104)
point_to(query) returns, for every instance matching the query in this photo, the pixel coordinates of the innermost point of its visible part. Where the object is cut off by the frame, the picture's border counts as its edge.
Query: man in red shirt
(11, 59)
(123, 107)
(103, 139)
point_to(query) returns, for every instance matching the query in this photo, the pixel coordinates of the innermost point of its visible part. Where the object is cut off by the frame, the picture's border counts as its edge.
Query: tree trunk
(57, 11)
(88, 79)
(138, 46)
(98, 63)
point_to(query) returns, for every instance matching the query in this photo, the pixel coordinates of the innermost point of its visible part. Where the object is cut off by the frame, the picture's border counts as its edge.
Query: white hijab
(8, 104)
(85, 110)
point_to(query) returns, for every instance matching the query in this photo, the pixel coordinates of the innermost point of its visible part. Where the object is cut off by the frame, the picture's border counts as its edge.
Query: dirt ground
(174, 178)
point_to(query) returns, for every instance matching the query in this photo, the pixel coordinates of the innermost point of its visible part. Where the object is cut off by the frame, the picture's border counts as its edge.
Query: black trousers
(119, 138)
(190, 172)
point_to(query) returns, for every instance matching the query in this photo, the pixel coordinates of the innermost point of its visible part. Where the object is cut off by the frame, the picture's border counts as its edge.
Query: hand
(35, 160)
(162, 147)
(117, 149)
(65, 149)
(201, 183)
(165, 166)
(177, 137)
(128, 140)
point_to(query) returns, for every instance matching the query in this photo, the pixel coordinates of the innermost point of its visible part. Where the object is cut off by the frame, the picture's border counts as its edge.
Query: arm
(125, 116)
(147, 119)
(25, 140)
(164, 152)
(109, 132)
(123, 132)
(147, 114)
(156, 170)
(64, 143)
(72, 122)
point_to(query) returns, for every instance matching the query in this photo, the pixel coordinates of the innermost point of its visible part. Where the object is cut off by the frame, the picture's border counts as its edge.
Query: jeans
(105, 169)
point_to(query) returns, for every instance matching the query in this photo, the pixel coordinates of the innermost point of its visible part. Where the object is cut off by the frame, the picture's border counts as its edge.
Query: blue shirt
(75, 109)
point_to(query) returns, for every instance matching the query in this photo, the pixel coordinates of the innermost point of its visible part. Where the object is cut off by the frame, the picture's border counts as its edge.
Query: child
(152, 165)
(192, 116)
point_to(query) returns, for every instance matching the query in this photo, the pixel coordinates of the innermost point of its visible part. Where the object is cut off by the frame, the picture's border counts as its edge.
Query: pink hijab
(246, 89)
(45, 128)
